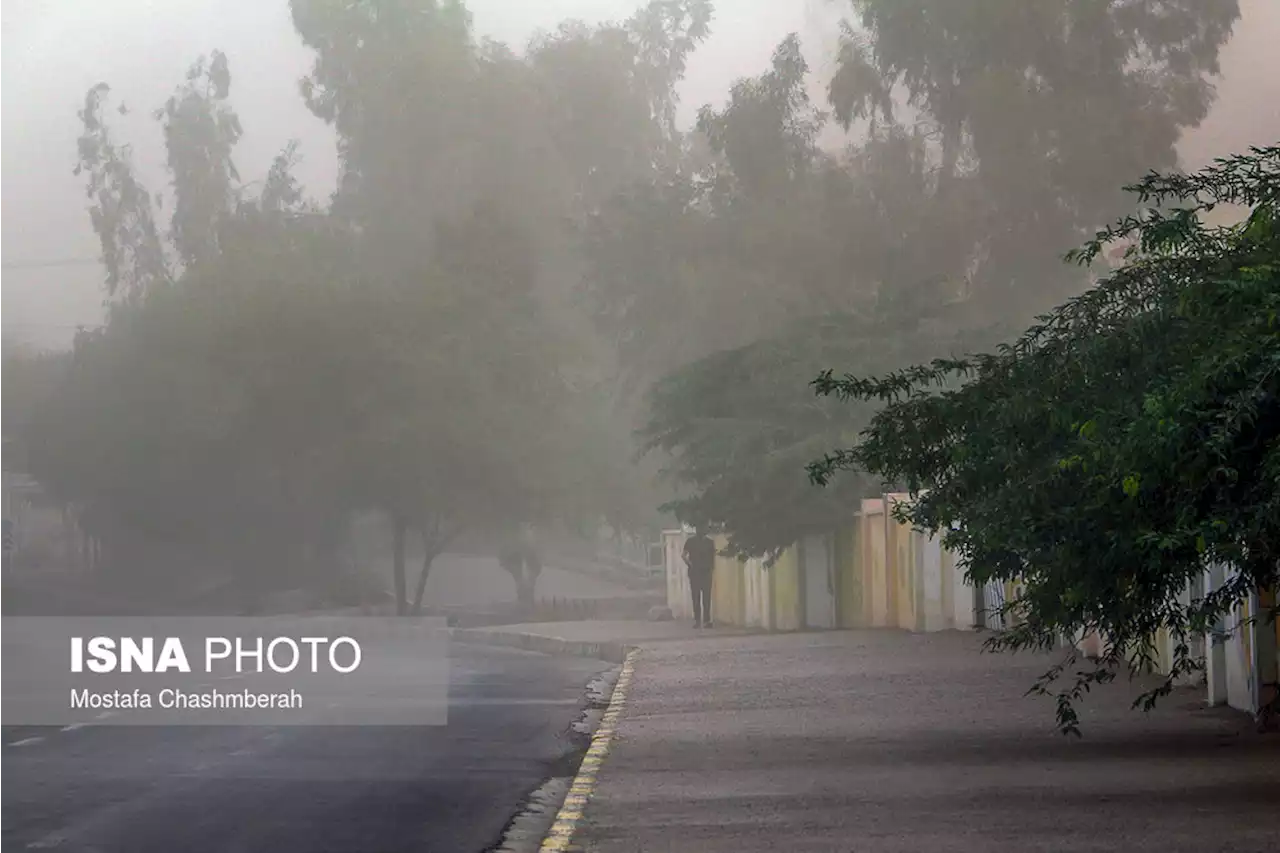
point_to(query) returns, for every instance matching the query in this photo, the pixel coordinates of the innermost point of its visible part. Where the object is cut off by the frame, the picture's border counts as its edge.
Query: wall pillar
(1215, 645)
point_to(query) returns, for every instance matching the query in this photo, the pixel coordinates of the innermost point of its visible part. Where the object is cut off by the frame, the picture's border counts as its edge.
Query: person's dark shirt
(700, 555)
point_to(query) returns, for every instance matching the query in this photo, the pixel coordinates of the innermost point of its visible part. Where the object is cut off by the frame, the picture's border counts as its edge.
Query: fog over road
(302, 789)
(461, 580)
(455, 581)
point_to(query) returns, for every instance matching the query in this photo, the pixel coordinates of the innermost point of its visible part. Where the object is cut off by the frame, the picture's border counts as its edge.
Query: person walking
(700, 558)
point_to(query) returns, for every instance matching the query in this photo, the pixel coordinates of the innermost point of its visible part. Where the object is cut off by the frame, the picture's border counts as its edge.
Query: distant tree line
(527, 259)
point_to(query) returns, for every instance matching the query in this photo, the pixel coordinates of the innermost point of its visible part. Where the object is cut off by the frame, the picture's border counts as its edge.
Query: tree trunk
(525, 589)
(436, 536)
(68, 538)
(514, 567)
(427, 560)
(397, 563)
(532, 570)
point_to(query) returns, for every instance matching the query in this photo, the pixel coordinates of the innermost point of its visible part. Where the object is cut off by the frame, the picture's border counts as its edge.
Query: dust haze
(425, 307)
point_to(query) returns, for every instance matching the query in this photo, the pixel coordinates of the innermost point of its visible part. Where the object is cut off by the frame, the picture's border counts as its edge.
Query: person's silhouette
(700, 558)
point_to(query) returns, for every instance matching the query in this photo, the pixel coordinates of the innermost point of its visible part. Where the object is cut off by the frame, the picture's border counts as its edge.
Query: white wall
(679, 595)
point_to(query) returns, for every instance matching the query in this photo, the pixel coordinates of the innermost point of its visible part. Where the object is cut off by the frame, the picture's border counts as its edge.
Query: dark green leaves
(1127, 440)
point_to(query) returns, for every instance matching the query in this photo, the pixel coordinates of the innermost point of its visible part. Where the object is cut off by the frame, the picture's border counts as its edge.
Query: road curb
(560, 837)
(611, 652)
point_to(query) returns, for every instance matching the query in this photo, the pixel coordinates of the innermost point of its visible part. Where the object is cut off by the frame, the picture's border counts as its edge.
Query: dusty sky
(51, 51)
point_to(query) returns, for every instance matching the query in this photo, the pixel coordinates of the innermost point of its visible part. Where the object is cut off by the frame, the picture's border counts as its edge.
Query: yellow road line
(584, 784)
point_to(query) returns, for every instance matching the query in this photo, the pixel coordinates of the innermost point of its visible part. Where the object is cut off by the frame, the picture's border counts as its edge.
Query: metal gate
(817, 560)
(993, 600)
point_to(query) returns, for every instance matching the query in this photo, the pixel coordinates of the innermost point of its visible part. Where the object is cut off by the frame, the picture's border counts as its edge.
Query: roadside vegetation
(536, 298)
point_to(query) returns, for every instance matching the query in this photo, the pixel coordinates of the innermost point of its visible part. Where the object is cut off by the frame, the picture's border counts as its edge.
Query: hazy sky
(53, 50)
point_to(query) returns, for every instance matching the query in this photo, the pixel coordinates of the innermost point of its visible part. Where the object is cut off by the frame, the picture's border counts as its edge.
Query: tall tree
(32, 377)
(537, 142)
(688, 263)
(1028, 116)
(785, 259)
(200, 133)
(193, 414)
(1120, 446)
(738, 428)
(403, 348)
(1049, 107)
(120, 207)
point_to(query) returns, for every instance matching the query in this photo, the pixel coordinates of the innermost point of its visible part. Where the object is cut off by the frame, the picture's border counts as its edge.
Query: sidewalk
(888, 741)
(635, 632)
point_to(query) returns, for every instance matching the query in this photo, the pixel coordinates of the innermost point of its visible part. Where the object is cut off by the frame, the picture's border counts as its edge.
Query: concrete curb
(611, 652)
(559, 838)
(564, 804)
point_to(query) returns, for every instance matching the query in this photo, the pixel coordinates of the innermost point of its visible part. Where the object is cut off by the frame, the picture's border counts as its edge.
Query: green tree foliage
(740, 456)
(1122, 444)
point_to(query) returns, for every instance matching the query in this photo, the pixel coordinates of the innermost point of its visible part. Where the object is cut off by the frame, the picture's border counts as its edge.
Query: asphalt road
(302, 789)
